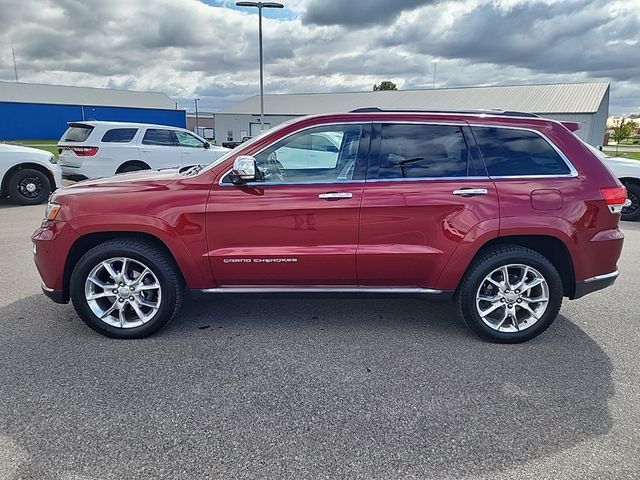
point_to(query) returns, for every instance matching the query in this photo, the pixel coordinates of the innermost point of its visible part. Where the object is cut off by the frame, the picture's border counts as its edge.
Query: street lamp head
(260, 4)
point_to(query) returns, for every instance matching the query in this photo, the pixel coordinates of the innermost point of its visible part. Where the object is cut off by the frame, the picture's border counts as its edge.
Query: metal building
(587, 103)
(41, 112)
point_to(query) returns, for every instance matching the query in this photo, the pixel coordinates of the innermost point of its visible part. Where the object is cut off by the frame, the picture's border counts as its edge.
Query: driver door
(298, 224)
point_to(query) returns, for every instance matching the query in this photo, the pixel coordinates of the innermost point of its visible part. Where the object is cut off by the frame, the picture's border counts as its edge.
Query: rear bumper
(595, 283)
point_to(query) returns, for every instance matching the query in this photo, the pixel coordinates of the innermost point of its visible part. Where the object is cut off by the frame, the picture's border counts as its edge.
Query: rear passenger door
(159, 148)
(426, 194)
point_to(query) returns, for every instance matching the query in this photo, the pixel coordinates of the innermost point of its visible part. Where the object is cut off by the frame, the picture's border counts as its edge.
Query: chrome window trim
(311, 182)
(422, 179)
(573, 172)
(319, 289)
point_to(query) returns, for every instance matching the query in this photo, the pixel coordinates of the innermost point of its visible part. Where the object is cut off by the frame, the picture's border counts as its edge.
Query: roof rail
(508, 113)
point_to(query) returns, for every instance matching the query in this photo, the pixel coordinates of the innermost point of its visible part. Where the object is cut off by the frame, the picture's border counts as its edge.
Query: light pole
(435, 66)
(197, 119)
(260, 6)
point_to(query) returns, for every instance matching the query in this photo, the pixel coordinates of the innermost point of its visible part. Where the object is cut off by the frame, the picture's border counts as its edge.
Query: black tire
(632, 213)
(133, 167)
(486, 263)
(23, 181)
(160, 264)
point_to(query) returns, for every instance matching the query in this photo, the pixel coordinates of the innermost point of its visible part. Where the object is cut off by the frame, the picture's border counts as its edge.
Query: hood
(10, 148)
(125, 182)
(623, 161)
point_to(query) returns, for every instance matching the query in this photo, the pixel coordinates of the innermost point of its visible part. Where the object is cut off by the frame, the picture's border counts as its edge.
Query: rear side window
(77, 133)
(156, 136)
(509, 152)
(119, 135)
(422, 151)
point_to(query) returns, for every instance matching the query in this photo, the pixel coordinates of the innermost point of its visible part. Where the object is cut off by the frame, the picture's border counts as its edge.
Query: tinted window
(517, 152)
(419, 151)
(321, 154)
(119, 135)
(158, 137)
(77, 133)
(187, 140)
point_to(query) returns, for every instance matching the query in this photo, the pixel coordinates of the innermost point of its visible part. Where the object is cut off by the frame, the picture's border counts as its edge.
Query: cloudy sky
(189, 48)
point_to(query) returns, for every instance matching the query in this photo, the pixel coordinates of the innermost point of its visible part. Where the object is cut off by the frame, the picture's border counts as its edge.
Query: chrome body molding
(604, 276)
(321, 289)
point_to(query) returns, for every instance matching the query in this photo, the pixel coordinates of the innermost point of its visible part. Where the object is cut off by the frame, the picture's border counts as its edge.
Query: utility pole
(15, 67)
(197, 118)
(260, 6)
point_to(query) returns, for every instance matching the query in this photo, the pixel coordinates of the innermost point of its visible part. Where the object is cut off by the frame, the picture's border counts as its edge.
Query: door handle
(470, 192)
(146, 150)
(335, 195)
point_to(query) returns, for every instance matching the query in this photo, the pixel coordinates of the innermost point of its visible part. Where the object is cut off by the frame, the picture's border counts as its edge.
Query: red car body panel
(409, 229)
(252, 232)
(407, 233)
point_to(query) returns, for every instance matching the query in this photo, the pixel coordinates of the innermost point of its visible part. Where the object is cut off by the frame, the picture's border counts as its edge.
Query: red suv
(507, 213)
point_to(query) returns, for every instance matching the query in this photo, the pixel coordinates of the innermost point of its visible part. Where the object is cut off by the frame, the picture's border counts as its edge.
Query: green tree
(385, 85)
(622, 130)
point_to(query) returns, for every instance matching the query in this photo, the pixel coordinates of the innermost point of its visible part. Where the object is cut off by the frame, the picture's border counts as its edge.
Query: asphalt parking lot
(270, 388)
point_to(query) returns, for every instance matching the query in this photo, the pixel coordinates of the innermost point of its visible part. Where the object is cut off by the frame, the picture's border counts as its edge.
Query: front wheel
(510, 294)
(125, 288)
(29, 187)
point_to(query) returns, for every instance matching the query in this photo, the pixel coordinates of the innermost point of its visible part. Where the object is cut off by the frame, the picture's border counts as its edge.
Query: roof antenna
(15, 67)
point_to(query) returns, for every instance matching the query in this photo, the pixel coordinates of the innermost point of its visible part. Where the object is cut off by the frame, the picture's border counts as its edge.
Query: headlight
(51, 212)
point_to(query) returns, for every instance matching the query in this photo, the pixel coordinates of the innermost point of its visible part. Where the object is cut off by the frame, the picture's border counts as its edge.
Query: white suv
(94, 149)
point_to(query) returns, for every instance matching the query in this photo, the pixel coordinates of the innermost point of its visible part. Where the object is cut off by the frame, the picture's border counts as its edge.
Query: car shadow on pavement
(245, 387)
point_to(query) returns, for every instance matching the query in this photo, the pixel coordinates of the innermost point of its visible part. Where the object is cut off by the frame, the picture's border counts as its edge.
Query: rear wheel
(632, 212)
(126, 288)
(29, 187)
(133, 167)
(510, 294)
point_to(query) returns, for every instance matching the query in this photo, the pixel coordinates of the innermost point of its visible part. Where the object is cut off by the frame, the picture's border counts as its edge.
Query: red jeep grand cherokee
(507, 213)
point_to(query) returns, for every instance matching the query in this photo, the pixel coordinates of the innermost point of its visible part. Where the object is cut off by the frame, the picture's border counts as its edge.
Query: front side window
(321, 154)
(422, 151)
(156, 136)
(119, 135)
(513, 152)
(187, 140)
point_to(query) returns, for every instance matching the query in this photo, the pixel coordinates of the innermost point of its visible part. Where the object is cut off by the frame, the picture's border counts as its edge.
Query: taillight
(615, 198)
(85, 151)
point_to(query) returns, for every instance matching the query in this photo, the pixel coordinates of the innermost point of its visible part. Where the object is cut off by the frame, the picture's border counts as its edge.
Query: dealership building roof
(16, 92)
(567, 98)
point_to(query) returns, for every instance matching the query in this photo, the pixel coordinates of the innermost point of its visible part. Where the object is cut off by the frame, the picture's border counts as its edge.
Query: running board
(322, 289)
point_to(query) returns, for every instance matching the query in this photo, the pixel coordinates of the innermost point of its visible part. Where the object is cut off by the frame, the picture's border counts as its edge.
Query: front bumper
(58, 296)
(595, 283)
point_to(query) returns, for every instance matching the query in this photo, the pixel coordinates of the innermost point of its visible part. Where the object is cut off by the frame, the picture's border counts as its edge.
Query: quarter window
(119, 135)
(422, 151)
(509, 152)
(155, 136)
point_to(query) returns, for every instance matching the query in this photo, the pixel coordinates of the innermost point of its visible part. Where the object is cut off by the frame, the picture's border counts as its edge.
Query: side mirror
(207, 145)
(244, 170)
(600, 147)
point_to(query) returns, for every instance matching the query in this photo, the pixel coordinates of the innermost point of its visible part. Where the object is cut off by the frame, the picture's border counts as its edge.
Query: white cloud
(187, 48)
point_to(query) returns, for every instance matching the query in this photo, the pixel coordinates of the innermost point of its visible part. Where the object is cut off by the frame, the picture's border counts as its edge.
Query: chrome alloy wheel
(123, 292)
(512, 298)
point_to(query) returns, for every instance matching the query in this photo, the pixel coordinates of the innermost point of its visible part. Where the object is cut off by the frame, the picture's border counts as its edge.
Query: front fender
(182, 240)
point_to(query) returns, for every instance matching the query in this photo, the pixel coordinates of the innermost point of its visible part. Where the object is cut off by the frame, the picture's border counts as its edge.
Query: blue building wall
(35, 121)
